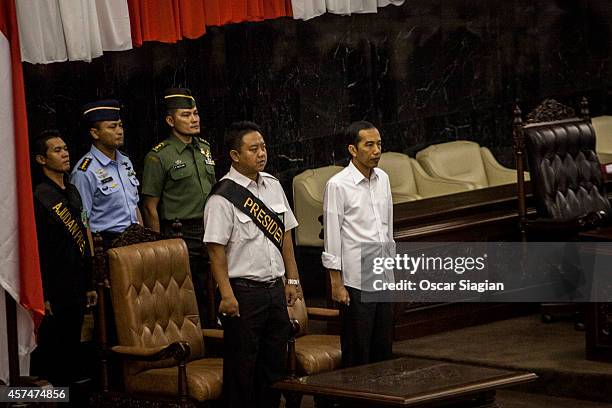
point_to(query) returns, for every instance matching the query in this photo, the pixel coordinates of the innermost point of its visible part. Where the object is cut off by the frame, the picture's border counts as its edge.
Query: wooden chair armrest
(588, 221)
(216, 334)
(322, 313)
(179, 351)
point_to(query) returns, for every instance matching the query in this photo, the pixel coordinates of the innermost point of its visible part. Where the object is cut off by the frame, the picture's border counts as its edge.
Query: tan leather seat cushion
(317, 353)
(398, 168)
(459, 160)
(308, 191)
(603, 135)
(204, 380)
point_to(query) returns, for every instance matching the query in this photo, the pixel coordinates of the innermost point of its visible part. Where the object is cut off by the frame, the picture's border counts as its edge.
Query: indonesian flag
(19, 268)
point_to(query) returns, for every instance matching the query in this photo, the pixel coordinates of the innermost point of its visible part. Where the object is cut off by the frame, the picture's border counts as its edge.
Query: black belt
(249, 283)
(186, 221)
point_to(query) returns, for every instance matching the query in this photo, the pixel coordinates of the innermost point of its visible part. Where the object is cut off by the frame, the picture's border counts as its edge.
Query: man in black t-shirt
(65, 263)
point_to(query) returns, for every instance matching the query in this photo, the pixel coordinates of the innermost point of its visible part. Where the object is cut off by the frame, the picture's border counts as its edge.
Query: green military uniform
(180, 174)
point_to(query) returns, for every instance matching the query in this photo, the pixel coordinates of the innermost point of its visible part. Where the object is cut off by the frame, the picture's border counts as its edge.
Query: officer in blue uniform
(105, 177)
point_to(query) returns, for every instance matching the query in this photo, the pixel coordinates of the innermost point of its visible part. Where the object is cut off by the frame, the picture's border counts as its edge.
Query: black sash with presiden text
(265, 219)
(62, 212)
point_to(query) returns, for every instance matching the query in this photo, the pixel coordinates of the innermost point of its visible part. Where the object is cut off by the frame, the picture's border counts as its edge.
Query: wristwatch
(295, 282)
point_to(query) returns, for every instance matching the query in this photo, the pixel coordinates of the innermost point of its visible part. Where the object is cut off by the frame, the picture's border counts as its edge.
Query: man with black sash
(65, 263)
(247, 229)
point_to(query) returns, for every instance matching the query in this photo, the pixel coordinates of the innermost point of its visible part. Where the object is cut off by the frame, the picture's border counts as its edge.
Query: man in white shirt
(247, 229)
(357, 208)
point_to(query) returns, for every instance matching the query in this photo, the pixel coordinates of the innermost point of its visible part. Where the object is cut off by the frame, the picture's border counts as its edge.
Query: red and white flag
(19, 267)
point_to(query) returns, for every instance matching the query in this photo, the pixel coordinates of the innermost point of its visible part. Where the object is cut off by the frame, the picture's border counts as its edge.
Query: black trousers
(193, 232)
(255, 346)
(56, 357)
(366, 334)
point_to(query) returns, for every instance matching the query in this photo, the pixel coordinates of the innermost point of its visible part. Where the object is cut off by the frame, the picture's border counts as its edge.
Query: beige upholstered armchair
(158, 327)
(409, 181)
(603, 138)
(308, 190)
(465, 161)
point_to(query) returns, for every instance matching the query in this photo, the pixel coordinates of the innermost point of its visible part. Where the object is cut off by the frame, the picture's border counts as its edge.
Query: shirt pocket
(280, 211)
(381, 202)
(179, 173)
(108, 188)
(247, 230)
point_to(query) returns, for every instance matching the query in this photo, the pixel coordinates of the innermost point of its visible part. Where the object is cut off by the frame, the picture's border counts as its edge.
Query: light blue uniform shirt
(109, 189)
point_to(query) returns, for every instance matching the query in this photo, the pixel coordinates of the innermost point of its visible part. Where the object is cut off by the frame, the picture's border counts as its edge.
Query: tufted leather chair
(466, 162)
(312, 353)
(308, 190)
(409, 182)
(566, 176)
(157, 321)
(566, 181)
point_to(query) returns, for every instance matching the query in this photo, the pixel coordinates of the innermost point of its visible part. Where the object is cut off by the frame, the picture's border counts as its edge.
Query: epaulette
(85, 164)
(203, 141)
(267, 175)
(160, 146)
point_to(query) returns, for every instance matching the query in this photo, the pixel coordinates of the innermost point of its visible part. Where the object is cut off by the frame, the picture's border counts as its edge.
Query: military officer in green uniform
(178, 176)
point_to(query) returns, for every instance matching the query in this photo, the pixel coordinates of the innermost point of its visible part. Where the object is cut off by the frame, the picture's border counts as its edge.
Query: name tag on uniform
(107, 180)
(179, 164)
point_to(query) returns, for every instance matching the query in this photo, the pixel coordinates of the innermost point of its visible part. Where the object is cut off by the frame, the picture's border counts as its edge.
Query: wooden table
(407, 382)
(598, 336)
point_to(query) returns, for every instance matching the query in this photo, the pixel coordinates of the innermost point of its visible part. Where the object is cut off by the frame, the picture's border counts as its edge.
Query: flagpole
(11, 335)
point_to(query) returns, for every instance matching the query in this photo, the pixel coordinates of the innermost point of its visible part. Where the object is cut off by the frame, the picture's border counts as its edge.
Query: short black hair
(40, 144)
(352, 131)
(237, 130)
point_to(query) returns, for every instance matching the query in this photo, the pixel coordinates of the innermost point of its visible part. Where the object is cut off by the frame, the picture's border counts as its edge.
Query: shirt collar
(177, 143)
(52, 183)
(104, 159)
(358, 176)
(241, 179)
(101, 157)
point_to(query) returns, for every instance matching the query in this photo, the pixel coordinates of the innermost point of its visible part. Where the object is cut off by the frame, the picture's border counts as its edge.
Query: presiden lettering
(264, 219)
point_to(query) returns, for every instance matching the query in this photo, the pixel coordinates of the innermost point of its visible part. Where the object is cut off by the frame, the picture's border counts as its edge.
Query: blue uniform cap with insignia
(106, 109)
(178, 98)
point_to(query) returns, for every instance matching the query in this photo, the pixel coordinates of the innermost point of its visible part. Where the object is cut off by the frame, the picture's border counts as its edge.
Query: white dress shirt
(355, 210)
(250, 254)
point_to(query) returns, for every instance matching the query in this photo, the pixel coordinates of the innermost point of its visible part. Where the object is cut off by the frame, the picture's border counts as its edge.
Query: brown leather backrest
(299, 313)
(153, 297)
(565, 172)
